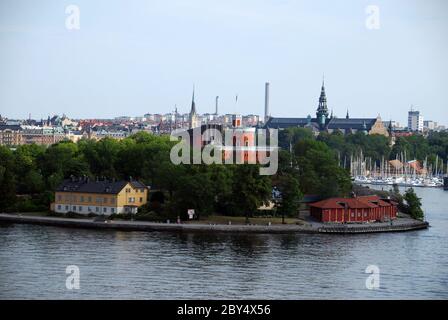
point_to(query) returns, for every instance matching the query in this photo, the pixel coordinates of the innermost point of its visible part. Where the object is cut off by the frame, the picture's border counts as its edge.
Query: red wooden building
(356, 210)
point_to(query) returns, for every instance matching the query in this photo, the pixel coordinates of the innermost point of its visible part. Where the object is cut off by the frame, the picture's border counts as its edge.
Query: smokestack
(216, 105)
(266, 103)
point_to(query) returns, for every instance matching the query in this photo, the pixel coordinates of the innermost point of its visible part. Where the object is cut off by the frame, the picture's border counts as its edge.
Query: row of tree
(29, 175)
(376, 147)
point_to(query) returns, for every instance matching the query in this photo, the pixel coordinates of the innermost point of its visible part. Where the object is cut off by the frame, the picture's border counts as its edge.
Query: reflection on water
(159, 265)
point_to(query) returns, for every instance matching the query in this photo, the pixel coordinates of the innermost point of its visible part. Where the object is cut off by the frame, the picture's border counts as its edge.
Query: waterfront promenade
(398, 225)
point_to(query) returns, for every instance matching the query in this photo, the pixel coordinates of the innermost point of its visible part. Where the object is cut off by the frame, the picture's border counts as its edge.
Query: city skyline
(144, 57)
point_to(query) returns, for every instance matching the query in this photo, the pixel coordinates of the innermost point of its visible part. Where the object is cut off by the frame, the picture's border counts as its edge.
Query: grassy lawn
(242, 220)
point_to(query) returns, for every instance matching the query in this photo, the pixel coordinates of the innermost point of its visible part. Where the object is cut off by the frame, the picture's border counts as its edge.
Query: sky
(135, 57)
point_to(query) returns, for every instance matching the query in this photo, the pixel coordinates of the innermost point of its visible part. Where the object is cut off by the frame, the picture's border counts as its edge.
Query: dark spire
(347, 116)
(193, 105)
(322, 109)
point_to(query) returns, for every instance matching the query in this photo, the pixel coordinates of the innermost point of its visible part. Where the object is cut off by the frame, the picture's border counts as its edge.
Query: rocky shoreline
(399, 225)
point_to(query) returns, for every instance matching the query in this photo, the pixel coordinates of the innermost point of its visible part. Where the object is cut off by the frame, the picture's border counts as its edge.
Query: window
(105, 200)
(80, 208)
(90, 199)
(74, 208)
(97, 209)
(128, 189)
(112, 210)
(104, 209)
(89, 209)
(66, 208)
(141, 199)
(59, 197)
(59, 207)
(81, 199)
(353, 215)
(98, 200)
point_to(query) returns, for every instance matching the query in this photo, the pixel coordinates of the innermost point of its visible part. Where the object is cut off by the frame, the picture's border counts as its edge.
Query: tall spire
(193, 105)
(194, 119)
(347, 116)
(322, 109)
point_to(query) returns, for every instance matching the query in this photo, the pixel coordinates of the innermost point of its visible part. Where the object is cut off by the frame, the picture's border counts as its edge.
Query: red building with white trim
(355, 210)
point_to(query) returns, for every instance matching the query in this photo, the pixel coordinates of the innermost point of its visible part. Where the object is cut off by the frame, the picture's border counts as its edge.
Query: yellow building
(83, 196)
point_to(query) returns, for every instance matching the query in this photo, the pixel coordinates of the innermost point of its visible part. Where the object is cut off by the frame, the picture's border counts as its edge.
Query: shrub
(55, 214)
(74, 215)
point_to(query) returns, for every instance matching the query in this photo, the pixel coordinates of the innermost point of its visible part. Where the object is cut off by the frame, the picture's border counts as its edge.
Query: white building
(430, 125)
(415, 121)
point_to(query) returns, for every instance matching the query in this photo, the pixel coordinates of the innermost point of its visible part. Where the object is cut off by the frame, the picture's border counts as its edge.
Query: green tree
(250, 190)
(414, 204)
(7, 178)
(194, 191)
(288, 186)
(101, 156)
(291, 136)
(319, 170)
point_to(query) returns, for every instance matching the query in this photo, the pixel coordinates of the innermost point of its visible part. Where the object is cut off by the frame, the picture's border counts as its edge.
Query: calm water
(157, 265)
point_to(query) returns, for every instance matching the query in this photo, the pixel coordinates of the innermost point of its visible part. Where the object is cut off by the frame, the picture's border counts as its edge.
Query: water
(119, 265)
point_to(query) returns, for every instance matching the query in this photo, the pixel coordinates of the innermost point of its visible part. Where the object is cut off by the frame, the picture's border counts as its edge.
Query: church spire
(347, 116)
(193, 105)
(194, 119)
(322, 109)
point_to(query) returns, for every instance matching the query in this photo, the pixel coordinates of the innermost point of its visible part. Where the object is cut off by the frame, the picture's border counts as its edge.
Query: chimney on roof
(130, 178)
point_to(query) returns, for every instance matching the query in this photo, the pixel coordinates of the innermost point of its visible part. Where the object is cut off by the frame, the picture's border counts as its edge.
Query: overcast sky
(135, 57)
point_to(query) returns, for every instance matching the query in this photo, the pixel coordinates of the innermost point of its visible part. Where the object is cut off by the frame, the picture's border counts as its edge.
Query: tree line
(377, 147)
(29, 175)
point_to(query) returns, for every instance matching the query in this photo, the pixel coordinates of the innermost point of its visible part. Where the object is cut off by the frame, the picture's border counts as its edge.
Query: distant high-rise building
(429, 124)
(415, 120)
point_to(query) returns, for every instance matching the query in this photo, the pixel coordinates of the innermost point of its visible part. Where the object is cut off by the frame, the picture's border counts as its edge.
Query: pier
(399, 225)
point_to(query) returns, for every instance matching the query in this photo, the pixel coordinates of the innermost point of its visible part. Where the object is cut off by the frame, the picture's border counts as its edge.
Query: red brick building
(356, 210)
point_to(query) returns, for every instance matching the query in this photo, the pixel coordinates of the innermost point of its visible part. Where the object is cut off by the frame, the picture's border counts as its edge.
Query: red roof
(353, 203)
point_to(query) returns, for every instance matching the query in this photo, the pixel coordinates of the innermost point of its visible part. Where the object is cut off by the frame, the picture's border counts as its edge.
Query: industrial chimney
(216, 106)
(266, 103)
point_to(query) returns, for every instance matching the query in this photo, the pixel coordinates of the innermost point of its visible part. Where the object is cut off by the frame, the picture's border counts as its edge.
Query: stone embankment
(398, 225)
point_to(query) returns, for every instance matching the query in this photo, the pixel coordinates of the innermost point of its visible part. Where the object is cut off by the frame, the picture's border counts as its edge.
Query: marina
(399, 172)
